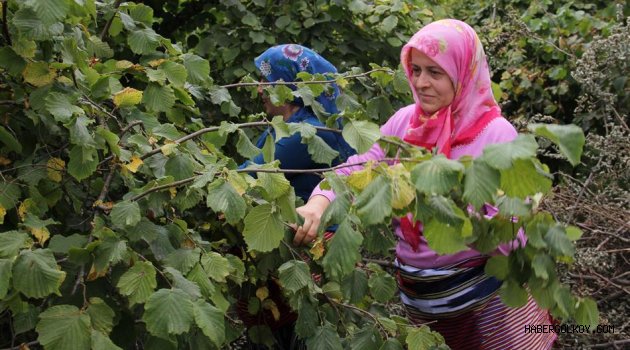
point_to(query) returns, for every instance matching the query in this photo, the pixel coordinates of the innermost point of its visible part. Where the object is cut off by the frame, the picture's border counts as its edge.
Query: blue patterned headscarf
(284, 62)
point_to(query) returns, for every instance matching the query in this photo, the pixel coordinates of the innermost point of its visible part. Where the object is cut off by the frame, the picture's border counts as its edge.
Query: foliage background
(559, 62)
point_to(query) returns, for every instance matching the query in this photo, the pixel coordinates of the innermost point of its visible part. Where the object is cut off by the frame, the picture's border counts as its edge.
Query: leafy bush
(125, 222)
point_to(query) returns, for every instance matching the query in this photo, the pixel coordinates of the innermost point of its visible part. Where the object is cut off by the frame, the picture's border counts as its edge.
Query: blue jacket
(293, 154)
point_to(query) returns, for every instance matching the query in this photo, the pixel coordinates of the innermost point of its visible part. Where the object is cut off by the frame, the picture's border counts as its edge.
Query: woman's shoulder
(498, 130)
(398, 123)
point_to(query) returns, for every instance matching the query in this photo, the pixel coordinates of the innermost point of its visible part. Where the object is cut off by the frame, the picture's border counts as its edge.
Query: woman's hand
(312, 213)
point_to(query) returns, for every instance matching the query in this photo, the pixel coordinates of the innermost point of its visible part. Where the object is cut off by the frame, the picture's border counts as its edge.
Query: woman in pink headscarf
(456, 114)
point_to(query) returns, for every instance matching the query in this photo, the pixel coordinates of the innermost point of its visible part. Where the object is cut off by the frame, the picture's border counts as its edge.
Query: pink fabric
(498, 131)
(454, 46)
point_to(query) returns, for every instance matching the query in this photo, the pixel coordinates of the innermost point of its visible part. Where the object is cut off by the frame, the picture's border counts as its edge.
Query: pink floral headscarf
(454, 46)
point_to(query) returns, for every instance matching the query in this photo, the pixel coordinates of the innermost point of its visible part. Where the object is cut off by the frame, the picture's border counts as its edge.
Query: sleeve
(395, 126)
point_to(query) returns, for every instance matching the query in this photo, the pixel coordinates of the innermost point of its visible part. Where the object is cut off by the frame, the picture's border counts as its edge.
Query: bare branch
(109, 23)
(264, 83)
(5, 25)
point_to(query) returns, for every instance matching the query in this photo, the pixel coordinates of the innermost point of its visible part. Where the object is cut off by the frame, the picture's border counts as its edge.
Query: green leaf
(223, 198)
(573, 233)
(83, 162)
(282, 21)
(280, 127)
(444, 238)
(320, 151)
(168, 312)
(245, 147)
(98, 48)
(9, 194)
(498, 266)
(389, 23)
(11, 62)
(36, 274)
(367, 338)
(569, 139)
(558, 242)
(586, 312)
(183, 259)
(143, 41)
(374, 203)
(49, 11)
(138, 282)
(142, 13)
(524, 179)
(216, 266)
(343, 252)
(294, 275)
(180, 282)
(211, 321)
(175, 72)
(125, 213)
(422, 338)
(9, 141)
(361, 135)
(64, 327)
(391, 344)
(31, 27)
(11, 242)
(276, 185)
(355, 286)
(251, 20)
(286, 204)
(501, 156)
(102, 342)
(199, 276)
(198, 68)
(307, 320)
(79, 133)
(325, 338)
(110, 251)
(382, 286)
(481, 182)
(5, 276)
(306, 130)
(437, 175)
(158, 98)
(565, 302)
(512, 294)
(180, 167)
(543, 266)
(61, 107)
(263, 228)
(269, 149)
(101, 315)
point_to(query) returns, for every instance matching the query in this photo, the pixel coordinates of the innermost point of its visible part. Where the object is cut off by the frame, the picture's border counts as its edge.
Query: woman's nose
(260, 90)
(421, 81)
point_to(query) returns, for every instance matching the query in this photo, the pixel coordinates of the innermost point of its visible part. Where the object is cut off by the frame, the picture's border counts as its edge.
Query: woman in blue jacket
(283, 63)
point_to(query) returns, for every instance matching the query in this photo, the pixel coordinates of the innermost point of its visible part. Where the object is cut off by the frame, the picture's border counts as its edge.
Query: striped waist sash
(447, 291)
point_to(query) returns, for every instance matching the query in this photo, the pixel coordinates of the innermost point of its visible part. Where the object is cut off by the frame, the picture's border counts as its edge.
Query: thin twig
(109, 23)
(361, 311)
(383, 263)
(609, 344)
(162, 187)
(579, 197)
(217, 128)
(5, 25)
(128, 127)
(256, 170)
(306, 82)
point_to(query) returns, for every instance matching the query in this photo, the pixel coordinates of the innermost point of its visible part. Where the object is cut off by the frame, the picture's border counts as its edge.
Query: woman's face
(433, 86)
(272, 110)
